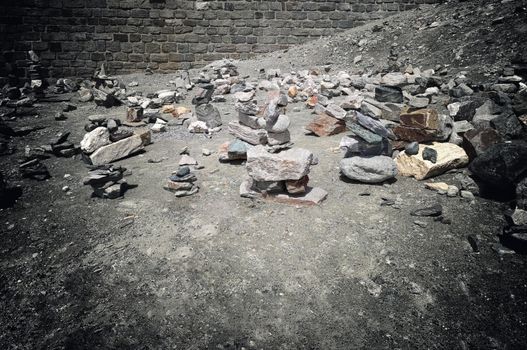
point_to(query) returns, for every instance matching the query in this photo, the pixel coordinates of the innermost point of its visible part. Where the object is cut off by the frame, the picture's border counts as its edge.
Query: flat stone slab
(247, 134)
(312, 196)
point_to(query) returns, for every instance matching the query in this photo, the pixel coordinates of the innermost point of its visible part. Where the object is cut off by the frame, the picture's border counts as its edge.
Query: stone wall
(73, 37)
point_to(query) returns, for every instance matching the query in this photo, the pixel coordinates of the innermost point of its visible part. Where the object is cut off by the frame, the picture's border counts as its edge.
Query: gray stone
(117, 150)
(386, 93)
(247, 134)
(292, 164)
(412, 148)
(430, 154)
(369, 170)
(278, 138)
(209, 114)
(281, 124)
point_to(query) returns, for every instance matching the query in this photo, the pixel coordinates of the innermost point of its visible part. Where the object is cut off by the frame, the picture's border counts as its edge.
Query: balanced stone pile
(106, 142)
(281, 177)
(268, 126)
(106, 181)
(182, 182)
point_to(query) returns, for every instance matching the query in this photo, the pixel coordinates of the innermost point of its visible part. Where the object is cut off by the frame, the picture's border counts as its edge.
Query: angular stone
(247, 134)
(393, 79)
(173, 186)
(369, 169)
(424, 125)
(268, 186)
(95, 139)
(369, 123)
(477, 141)
(449, 156)
(364, 134)
(292, 164)
(508, 126)
(355, 146)
(335, 111)
(437, 186)
(209, 114)
(187, 160)
(250, 108)
(324, 125)
(430, 154)
(117, 150)
(384, 93)
(198, 127)
(244, 96)
(462, 110)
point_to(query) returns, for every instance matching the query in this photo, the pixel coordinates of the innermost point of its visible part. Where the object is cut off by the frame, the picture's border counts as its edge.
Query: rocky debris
(477, 141)
(515, 238)
(182, 182)
(374, 169)
(106, 181)
(449, 156)
(280, 177)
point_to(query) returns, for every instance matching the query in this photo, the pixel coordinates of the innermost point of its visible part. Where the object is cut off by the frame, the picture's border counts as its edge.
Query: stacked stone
(267, 126)
(106, 142)
(281, 177)
(35, 69)
(107, 181)
(368, 150)
(182, 182)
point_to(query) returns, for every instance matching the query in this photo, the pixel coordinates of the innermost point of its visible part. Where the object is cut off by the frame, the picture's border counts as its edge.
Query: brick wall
(73, 37)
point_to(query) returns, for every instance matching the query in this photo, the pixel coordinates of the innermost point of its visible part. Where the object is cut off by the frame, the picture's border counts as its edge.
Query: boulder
(117, 150)
(369, 169)
(95, 139)
(449, 156)
(278, 138)
(502, 165)
(508, 126)
(292, 164)
(280, 125)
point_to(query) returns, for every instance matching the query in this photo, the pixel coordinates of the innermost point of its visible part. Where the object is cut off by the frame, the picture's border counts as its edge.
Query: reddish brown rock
(324, 125)
(424, 125)
(297, 186)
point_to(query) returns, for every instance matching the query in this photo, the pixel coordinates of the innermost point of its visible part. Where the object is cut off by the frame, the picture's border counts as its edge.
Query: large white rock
(117, 150)
(368, 169)
(95, 139)
(292, 164)
(449, 156)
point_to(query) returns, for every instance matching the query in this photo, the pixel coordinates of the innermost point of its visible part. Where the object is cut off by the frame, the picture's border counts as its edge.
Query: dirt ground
(217, 271)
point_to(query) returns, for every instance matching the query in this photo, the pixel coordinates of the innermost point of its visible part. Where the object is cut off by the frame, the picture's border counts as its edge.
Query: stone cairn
(182, 182)
(281, 177)
(106, 181)
(266, 126)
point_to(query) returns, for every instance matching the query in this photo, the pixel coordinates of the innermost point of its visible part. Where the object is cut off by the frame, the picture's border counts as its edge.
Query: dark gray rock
(209, 114)
(412, 148)
(508, 126)
(434, 210)
(430, 154)
(385, 93)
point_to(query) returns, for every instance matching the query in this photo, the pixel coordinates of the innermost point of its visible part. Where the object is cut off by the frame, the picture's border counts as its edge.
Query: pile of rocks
(268, 125)
(182, 182)
(281, 177)
(107, 142)
(106, 181)
(207, 119)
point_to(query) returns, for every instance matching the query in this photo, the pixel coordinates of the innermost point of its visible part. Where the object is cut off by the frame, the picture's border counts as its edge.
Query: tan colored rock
(437, 186)
(173, 186)
(449, 156)
(292, 91)
(324, 125)
(145, 135)
(297, 186)
(117, 150)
